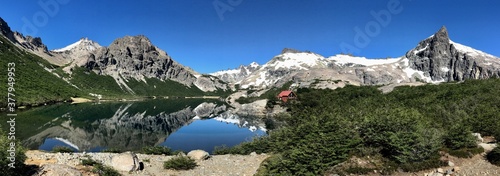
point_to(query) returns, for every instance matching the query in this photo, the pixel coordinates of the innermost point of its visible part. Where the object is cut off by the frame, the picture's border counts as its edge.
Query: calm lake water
(181, 124)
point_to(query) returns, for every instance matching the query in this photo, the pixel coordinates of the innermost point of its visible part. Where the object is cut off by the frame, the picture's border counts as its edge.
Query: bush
(423, 165)
(157, 150)
(20, 156)
(112, 150)
(180, 163)
(466, 152)
(88, 162)
(105, 170)
(401, 134)
(494, 156)
(62, 149)
(460, 136)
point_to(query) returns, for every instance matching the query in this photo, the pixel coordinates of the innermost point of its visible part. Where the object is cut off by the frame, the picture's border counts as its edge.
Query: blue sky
(208, 38)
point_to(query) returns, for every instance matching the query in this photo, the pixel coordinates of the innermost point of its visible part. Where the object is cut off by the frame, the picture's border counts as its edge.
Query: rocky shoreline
(70, 164)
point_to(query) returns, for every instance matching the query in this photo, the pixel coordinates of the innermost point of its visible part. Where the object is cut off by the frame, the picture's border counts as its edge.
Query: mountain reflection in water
(182, 124)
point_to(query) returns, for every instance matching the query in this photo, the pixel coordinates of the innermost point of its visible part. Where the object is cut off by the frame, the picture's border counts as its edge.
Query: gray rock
(57, 170)
(449, 172)
(6, 31)
(443, 60)
(198, 155)
(135, 57)
(479, 139)
(126, 162)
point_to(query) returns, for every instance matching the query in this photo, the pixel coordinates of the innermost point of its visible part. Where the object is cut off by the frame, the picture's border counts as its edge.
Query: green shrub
(494, 156)
(434, 162)
(105, 170)
(112, 150)
(62, 149)
(20, 157)
(180, 163)
(88, 162)
(460, 136)
(157, 150)
(466, 152)
(401, 135)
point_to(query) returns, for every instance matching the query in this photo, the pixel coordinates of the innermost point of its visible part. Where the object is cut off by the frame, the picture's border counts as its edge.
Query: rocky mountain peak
(84, 44)
(442, 60)
(4, 27)
(5, 30)
(133, 40)
(442, 34)
(289, 50)
(134, 44)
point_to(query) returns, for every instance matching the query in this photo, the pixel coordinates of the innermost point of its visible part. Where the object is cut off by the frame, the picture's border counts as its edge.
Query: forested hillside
(405, 128)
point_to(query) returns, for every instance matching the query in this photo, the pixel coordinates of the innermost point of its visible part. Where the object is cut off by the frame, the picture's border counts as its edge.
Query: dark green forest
(405, 129)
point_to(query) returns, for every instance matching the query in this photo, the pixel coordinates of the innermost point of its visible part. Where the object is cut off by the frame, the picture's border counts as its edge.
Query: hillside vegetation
(34, 85)
(406, 128)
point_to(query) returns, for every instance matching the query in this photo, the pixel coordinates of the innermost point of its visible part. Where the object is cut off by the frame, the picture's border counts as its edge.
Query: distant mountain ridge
(435, 59)
(238, 74)
(137, 67)
(130, 57)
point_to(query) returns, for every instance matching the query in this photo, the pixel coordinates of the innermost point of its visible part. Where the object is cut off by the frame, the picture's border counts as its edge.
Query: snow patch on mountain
(82, 44)
(238, 74)
(470, 51)
(342, 59)
(299, 61)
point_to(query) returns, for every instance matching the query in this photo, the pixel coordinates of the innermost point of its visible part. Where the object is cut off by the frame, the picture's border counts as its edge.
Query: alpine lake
(180, 124)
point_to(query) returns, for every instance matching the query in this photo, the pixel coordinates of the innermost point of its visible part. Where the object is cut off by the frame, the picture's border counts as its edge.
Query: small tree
(460, 136)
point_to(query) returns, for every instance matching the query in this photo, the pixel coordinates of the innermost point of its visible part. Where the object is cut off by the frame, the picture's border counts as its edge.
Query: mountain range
(435, 59)
(133, 66)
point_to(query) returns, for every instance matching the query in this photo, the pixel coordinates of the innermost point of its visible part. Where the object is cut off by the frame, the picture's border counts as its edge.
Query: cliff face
(444, 60)
(435, 59)
(136, 58)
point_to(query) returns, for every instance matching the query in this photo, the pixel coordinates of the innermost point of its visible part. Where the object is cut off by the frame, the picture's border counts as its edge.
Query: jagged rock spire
(442, 35)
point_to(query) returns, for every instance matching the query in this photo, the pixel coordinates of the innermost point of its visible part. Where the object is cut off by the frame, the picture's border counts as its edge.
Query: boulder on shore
(198, 155)
(126, 162)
